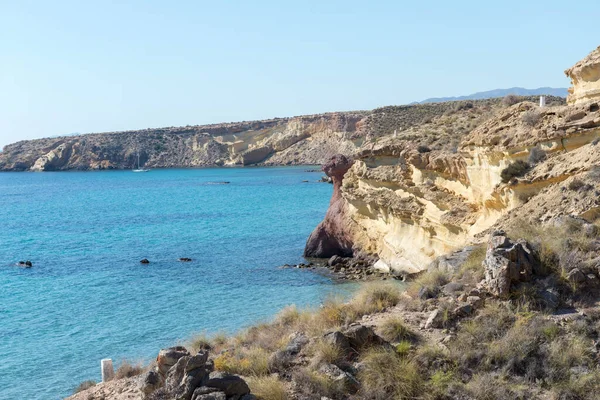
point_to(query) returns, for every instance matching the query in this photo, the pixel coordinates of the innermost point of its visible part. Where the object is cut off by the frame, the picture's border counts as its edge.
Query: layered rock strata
(410, 199)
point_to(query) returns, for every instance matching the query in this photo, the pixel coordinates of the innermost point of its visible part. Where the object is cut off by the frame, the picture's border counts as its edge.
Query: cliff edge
(420, 193)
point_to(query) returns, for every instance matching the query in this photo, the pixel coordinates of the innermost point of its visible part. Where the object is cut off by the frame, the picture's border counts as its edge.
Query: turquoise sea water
(88, 297)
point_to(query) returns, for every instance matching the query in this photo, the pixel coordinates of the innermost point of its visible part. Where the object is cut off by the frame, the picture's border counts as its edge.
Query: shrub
(594, 174)
(312, 385)
(253, 361)
(127, 370)
(490, 387)
(531, 118)
(325, 352)
(576, 184)
(567, 352)
(268, 388)
(515, 169)
(385, 375)
(536, 155)
(473, 264)
(403, 348)
(423, 149)
(510, 100)
(198, 343)
(85, 385)
(374, 297)
(393, 329)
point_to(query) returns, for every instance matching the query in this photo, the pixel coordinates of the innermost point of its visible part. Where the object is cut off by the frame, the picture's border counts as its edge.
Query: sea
(88, 297)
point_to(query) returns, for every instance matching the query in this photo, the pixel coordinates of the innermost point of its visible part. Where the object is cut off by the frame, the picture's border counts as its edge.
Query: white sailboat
(139, 169)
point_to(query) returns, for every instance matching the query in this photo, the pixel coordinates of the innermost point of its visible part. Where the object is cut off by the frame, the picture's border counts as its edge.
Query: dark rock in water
(305, 181)
(26, 264)
(331, 236)
(145, 261)
(185, 259)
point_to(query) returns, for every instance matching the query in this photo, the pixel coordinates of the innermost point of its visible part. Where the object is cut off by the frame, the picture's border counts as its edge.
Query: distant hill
(560, 92)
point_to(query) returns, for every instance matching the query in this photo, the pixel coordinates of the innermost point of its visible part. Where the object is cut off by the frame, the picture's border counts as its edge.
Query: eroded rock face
(332, 236)
(585, 78)
(507, 263)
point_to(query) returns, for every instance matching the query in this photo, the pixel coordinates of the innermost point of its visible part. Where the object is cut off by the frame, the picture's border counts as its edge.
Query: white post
(542, 101)
(108, 371)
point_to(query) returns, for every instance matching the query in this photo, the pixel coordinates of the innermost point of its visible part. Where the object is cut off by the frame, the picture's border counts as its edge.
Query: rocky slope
(425, 191)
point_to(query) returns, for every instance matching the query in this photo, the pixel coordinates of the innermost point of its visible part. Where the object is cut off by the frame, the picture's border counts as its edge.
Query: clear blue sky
(93, 66)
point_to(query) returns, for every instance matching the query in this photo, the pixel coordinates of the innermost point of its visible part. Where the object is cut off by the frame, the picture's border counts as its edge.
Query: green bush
(518, 168)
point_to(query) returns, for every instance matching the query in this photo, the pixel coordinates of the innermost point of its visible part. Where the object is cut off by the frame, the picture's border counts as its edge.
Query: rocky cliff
(300, 140)
(425, 191)
(304, 140)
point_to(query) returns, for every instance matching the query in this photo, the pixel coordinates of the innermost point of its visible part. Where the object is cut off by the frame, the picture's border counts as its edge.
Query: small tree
(518, 168)
(510, 99)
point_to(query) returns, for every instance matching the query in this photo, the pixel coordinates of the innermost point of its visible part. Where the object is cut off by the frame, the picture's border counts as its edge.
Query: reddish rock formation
(331, 237)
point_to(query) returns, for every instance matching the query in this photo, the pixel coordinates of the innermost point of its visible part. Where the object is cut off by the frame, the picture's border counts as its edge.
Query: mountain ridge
(490, 94)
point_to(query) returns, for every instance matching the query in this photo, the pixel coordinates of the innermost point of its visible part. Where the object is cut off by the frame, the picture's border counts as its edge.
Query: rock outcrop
(585, 78)
(507, 263)
(332, 236)
(419, 193)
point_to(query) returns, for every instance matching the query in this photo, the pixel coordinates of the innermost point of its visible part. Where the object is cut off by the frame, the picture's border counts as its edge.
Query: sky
(96, 66)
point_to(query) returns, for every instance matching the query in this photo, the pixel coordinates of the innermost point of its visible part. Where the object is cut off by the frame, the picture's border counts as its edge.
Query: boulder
(435, 320)
(282, 359)
(337, 339)
(144, 261)
(463, 310)
(451, 288)
(169, 357)
(204, 393)
(188, 373)
(451, 262)
(361, 336)
(475, 301)
(184, 259)
(507, 263)
(336, 374)
(150, 382)
(232, 385)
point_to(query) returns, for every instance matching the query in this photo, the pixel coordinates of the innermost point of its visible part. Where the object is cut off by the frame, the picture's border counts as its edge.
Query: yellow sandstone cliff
(408, 203)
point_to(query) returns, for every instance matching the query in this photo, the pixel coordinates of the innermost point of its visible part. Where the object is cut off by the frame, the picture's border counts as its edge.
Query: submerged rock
(184, 259)
(144, 261)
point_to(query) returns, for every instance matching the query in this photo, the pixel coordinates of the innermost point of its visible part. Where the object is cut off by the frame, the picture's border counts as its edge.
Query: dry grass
(312, 385)
(128, 369)
(394, 330)
(268, 388)
(253, 361)
(325, 352)
(385, 375)
(84, 386)
(472, 268)
(429, 280)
